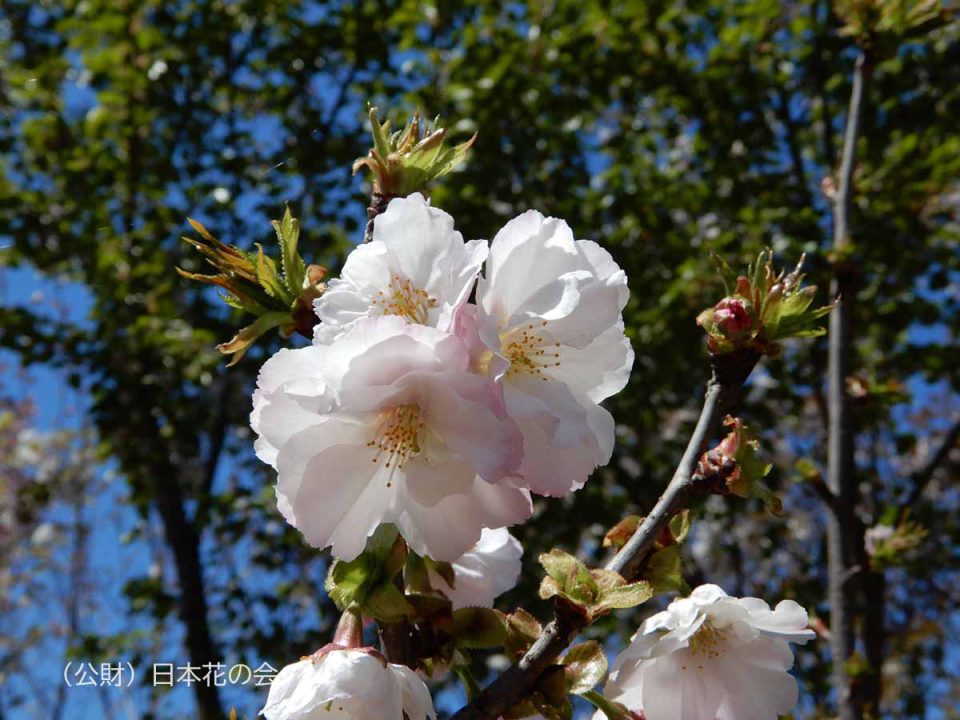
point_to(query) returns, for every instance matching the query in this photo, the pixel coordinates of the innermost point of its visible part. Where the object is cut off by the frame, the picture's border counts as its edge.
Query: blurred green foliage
(664, 130)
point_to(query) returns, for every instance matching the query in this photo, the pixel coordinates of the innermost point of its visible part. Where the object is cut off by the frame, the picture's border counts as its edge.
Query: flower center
(708, 640)
(397, 438)
(529, 352)
(403, 299)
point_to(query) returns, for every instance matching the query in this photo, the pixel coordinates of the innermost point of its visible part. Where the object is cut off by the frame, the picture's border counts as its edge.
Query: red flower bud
(731, 316)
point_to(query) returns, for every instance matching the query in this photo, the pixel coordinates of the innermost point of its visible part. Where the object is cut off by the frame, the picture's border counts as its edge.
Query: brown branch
(511, 686)
(924, 475)
(844, 536)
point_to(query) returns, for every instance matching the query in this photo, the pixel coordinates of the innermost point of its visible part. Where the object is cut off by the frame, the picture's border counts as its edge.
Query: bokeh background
(135, 524)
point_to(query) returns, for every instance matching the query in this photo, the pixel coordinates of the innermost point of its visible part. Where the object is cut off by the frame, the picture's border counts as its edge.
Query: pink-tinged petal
(564, 440)
(428, 483)
(465, 411)
(277, 416)
(380, 351)
(324, 473)
(447, 531)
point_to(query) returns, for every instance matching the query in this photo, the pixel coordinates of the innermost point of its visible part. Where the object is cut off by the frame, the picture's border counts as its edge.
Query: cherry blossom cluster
(447, 383)
(419, 407)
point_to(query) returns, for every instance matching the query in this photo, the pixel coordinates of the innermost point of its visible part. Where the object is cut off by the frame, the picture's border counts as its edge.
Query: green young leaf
(680, 526)
(664, 571)
(584, 666)
(268, 278)
(406, 161)
(349, 582)
(383, 557)
(386, 603)
(625, 596)
(288, 235)
(619, 534)
(523, 629)
(245, 337)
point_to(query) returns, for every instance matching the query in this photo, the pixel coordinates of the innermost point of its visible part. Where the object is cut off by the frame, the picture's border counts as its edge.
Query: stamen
(398, 437)
(404, 299)
(529, 351)
(708, 640)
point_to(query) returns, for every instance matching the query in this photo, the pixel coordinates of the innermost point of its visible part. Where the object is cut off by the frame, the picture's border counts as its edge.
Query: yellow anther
(404, 299)
(526, 349)
(398, 437)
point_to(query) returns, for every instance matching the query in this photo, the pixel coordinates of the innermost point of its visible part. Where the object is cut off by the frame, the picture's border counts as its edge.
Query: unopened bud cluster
(764, 308)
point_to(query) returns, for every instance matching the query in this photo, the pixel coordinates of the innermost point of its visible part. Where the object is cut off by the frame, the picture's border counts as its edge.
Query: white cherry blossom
(347, 685)
(548, 326)
(710, 656)
(387, 425)
(488, 569)
(416, 267)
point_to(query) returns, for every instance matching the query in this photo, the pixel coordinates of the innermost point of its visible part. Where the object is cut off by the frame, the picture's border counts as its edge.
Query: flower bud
(765, 308)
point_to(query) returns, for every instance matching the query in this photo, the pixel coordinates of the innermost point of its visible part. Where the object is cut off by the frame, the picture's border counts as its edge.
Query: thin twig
(844, 543)
(924, 475)
(511, 686)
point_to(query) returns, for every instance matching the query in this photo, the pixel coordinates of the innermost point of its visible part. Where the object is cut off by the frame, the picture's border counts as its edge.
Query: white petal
(600, 369)
(707, 594)
(342, 685)
(788, 620)
(412, 243)
(674, 688)
(417, 703)
(605, 268)
(488, 569)
(416, 235)
(360, 684)
(529, 252)
(755, 693)
(289, 365)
